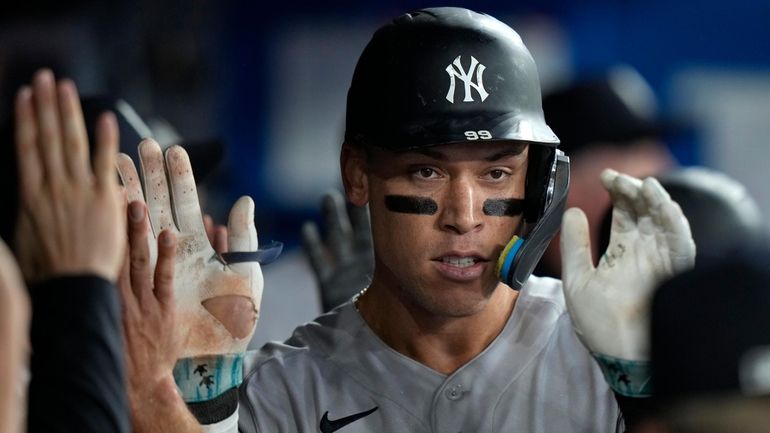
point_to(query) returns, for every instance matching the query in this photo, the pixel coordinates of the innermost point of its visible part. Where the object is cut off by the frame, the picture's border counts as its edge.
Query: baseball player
(445, 141)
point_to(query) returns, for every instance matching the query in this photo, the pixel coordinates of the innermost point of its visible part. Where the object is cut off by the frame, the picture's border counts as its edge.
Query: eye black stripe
(411, 204)
(503, 207)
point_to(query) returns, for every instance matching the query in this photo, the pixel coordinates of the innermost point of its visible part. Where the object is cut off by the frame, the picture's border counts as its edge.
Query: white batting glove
(217, 296)
(650, 241)
(217, 304)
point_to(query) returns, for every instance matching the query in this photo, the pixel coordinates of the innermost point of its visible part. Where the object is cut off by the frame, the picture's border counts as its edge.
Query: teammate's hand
(650, 241)
(217, 304)
(344, 264)
(149, 317)
(72, 217)
(14, 329)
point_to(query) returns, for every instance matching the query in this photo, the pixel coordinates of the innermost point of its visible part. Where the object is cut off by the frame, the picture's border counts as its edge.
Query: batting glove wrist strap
(217, 410)
(204, 378)
(626, 377)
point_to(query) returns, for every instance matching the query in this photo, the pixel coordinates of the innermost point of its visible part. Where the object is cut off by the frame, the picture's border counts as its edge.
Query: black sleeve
(77, 366)
(634, 410)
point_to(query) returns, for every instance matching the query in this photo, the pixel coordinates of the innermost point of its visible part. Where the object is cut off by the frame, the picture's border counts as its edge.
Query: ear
(353, 165)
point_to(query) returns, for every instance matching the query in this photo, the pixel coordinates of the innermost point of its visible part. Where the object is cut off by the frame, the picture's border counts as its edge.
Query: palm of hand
(216, 304)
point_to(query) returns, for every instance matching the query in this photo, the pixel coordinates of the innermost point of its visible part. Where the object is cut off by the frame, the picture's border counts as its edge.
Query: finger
(133, 187)
(49, 130)
(671, 223)
(623, 191)
(141, 283)
(681, 245)
(242, 234)
(631, 188)
(653, 192)
(106, 153)
(340, 232)
(26, 242)
(124, 285)
(208, 224)
(73, 132)
(575, 248)
(27, 153)
(184, 195)
(220, 239)
(156, 186)
(164, 269)
(314, 247)
(130, 178)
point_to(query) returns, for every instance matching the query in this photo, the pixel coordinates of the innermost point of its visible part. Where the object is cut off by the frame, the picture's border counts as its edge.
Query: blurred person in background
(608, 122)
(711, 345)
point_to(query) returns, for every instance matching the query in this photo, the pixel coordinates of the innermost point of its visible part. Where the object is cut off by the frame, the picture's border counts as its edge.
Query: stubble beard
(439, 304)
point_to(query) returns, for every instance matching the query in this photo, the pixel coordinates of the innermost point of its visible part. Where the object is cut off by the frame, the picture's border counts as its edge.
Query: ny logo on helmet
(455, 69)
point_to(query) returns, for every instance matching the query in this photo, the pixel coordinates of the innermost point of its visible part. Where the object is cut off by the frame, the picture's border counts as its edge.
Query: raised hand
(72, 217)
(149, 316)
(650, 241)
(217, 304)
(344, 263)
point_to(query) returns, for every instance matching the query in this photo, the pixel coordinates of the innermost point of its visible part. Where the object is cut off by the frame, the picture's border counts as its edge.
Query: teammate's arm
(70, 240)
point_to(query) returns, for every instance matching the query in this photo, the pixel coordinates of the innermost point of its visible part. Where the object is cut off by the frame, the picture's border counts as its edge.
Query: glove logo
(330, 426)
(455, 70)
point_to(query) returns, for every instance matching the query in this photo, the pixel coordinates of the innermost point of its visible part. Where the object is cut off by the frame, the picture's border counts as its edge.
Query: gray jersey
(336, 375)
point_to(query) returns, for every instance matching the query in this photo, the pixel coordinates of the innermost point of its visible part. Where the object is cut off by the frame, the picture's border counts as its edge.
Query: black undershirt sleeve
(77, 365)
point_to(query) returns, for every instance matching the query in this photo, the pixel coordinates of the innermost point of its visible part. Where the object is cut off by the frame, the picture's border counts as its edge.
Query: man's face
(440, 218)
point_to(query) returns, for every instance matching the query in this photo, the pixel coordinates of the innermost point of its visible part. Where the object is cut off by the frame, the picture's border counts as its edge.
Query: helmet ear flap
(546, 189)
(540, 160)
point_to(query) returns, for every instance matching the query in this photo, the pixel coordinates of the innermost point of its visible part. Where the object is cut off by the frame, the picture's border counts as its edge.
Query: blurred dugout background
(271, 81)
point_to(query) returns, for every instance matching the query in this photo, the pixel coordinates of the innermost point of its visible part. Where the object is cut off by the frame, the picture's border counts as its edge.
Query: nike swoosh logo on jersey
(330, 426)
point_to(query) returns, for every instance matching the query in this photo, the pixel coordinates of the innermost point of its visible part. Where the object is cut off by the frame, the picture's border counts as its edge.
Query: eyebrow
(431, 153)
(515, 151)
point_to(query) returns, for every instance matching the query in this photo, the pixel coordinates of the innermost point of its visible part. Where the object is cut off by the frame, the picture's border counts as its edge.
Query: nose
(462, 212)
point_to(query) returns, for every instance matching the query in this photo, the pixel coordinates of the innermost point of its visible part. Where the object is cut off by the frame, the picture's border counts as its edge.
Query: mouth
(461, 258)
(461, 266)
(460, 262)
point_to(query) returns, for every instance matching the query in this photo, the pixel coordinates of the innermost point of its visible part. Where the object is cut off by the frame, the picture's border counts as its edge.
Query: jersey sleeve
(77, 366)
